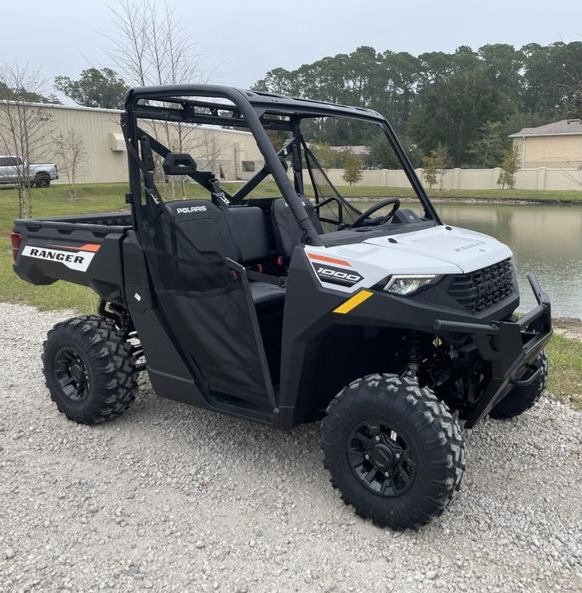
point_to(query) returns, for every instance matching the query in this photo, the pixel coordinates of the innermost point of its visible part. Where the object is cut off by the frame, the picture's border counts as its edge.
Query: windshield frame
(401, 155)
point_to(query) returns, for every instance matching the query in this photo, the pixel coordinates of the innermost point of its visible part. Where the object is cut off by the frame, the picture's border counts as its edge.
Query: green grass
(518, 195)
(565, 356)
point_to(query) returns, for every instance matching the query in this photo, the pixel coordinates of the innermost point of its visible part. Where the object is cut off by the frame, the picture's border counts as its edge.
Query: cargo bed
(83, 248)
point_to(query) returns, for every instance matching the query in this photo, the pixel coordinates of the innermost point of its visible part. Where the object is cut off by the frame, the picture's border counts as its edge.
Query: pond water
(545, 239)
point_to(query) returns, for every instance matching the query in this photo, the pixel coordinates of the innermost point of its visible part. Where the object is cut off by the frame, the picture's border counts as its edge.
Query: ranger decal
(75, 260)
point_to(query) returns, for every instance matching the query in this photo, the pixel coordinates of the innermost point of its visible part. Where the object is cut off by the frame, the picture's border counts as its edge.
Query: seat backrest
(286, 230)
(249, 232)
(201, 226)
(238, 232)
(187, 246)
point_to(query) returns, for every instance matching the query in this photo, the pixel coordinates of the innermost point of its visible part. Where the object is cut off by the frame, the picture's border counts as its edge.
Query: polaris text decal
(75, 260)
(335, 275)
(191, 209)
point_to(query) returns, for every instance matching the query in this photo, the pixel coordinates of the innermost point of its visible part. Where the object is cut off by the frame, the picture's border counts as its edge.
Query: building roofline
(563, 127)
(60, 106)
(539, 134)
(104, 110)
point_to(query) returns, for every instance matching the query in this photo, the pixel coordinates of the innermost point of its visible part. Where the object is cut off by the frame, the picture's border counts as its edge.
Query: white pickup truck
(11, 170)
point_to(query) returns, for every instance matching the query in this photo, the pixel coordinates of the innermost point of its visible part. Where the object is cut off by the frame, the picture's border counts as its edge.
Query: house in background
(555, 145)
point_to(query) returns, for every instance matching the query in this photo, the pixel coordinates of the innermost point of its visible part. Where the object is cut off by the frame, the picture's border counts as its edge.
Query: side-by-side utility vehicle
(383, 321)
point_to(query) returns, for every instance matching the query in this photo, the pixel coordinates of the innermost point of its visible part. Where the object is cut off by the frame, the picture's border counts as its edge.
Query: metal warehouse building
(231, 154)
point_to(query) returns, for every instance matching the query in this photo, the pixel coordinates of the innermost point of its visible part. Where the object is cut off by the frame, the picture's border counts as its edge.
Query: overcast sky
(239, 41)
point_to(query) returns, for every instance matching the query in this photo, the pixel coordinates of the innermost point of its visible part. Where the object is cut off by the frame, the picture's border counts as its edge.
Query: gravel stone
(172, 498)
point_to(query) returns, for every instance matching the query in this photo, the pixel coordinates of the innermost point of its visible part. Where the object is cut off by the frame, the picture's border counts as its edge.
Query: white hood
(437, 250)
(468, 250)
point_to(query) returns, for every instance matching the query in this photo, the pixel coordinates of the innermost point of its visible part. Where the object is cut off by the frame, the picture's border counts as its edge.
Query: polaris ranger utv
(384, 322)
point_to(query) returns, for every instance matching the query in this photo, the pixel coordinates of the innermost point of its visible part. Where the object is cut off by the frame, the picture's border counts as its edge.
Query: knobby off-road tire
(89, 369)
(393, 450)
(520, 399)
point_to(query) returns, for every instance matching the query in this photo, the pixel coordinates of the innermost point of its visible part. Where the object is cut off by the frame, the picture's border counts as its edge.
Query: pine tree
(509, 167)
(352, 169)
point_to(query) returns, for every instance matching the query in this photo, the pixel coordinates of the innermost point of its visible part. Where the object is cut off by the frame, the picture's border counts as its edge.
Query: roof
(564, 127)
(270, 102)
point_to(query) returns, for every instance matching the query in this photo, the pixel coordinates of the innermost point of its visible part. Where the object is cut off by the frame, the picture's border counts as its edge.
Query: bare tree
(71, 154)
(150, 47)
(212, 148)
(24, 128)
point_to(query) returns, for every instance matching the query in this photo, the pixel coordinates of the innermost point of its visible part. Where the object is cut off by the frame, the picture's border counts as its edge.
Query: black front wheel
(393, 450)
(89, 369)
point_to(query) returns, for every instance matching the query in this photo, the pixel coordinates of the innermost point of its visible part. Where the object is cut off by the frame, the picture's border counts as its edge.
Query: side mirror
(179, 164)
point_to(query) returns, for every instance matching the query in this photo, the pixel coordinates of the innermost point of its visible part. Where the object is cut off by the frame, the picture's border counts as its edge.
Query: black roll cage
(257, 112)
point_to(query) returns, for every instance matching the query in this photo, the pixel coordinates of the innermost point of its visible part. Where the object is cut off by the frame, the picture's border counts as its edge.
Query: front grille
(483, 288)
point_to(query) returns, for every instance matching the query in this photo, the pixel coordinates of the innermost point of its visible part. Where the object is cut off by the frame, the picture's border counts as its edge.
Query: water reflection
(545, 239)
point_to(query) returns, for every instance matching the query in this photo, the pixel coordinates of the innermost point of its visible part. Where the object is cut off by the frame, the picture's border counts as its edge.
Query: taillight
(15, 241)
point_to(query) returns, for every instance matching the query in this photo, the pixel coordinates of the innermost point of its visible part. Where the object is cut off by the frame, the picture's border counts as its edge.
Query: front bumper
(510, 347)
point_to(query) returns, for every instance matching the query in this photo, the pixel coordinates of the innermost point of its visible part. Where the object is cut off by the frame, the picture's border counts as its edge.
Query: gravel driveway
(170, 498)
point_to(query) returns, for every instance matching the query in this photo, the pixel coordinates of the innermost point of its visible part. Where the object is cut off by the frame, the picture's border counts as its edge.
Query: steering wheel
(378, 206)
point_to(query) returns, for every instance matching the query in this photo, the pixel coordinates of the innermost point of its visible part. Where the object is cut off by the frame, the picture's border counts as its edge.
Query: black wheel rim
(380, 459)
(72, 374)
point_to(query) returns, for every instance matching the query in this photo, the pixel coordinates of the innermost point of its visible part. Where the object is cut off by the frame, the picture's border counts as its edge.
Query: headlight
(405, 285)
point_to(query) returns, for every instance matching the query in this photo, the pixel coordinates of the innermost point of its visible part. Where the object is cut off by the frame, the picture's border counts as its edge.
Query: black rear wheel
(42, 180)
(393, 450)
(89, 369)
(72, 374)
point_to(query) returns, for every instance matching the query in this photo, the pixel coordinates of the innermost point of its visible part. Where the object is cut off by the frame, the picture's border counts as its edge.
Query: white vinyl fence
(541, 178)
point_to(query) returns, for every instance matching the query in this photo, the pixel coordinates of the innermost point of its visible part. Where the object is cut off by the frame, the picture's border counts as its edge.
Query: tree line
(468, 101)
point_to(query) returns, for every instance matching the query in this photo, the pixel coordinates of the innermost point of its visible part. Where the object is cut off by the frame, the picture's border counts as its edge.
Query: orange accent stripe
(329, 260)
(90, 247)
(94, 247)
